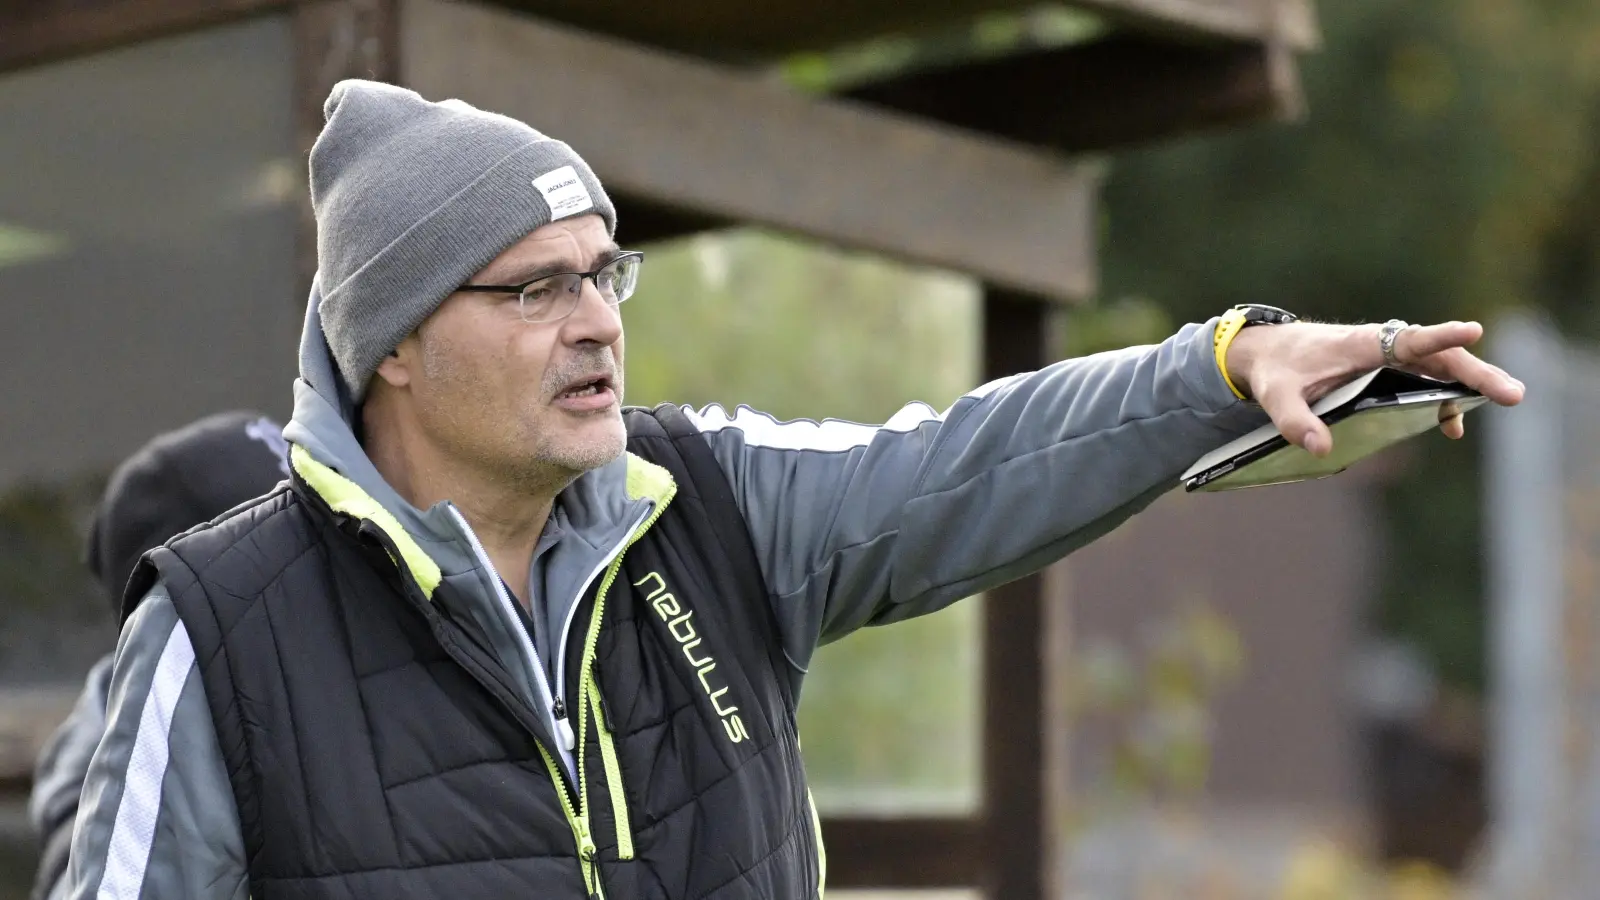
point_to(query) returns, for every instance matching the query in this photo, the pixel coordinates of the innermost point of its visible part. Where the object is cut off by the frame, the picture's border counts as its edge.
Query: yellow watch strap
(1228, 328)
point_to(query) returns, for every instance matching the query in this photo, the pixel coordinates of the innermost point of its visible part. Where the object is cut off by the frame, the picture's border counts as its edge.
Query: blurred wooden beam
(903, 853)
(728, 144)
(742, 31)
(35, 31)
(640, 221)
(1123, 90)
(40, 31)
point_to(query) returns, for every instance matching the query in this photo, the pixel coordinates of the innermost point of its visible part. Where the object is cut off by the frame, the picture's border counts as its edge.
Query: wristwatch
(1262, 314)
(1237, 319)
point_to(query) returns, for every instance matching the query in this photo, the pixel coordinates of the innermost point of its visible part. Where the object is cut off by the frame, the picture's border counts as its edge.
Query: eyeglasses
(555, 297)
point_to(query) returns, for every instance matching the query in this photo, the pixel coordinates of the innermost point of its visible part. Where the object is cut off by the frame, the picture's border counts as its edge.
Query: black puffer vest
(376, 749)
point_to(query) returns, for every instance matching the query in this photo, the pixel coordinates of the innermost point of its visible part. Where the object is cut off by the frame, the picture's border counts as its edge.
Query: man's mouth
(587, 387)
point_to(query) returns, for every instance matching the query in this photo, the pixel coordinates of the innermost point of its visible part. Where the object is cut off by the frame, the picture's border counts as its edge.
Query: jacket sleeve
(157, 816)
(859, 525)
(58, 779)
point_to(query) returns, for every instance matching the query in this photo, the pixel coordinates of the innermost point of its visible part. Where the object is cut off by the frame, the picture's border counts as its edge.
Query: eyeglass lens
(557, 296)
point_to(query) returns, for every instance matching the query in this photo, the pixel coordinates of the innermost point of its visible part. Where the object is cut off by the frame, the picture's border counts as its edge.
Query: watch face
(1262, 314)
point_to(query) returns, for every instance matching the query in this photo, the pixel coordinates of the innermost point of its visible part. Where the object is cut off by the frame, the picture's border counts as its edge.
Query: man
(475, 649)
(176, 481)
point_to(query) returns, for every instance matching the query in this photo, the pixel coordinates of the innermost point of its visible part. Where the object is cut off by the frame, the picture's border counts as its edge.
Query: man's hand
(1286, 368)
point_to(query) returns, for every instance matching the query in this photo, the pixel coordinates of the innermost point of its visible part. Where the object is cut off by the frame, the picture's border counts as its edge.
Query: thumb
(1293, 418)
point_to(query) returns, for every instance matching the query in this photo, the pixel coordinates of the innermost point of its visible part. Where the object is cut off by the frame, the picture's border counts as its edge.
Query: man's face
(530, 401)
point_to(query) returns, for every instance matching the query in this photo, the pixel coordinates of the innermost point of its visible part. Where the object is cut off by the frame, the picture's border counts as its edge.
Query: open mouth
(586, 388)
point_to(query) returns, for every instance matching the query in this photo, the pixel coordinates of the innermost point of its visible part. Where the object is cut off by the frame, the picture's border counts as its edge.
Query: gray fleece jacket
(854, 525)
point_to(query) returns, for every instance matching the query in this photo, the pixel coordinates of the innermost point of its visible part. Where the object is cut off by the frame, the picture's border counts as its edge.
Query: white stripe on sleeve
(830, 435)
(134, 829)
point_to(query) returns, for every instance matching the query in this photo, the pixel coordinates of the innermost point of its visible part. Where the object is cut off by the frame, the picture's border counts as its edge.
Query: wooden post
(1017, 821)
(334, 40)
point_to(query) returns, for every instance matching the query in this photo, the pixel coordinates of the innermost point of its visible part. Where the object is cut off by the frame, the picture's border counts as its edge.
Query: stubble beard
(601, 436)
(536, 446)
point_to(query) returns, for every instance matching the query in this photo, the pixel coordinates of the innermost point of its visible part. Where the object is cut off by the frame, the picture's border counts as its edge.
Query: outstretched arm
(859, 524)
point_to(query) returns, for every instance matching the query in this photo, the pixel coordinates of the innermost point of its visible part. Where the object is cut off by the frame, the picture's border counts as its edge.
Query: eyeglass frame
(591, 276)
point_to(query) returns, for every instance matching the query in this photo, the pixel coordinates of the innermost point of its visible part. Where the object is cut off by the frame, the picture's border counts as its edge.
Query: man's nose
(594, 320)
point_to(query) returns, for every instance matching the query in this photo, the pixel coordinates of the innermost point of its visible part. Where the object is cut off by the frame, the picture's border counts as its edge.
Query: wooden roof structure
(985, 166)
(906, 166)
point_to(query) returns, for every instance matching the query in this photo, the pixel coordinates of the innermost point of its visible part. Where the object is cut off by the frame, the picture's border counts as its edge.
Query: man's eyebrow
(555, 267)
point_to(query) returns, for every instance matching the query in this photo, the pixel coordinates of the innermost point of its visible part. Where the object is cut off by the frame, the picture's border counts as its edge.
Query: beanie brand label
(564, 192)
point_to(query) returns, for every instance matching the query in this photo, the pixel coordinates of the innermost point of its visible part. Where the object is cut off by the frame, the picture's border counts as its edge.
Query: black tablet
(1379, 409)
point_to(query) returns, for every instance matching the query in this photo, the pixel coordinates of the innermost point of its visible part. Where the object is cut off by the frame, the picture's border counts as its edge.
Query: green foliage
(891, 717)
(1125, 322)
(1433, 165)
(795, 330)
(1155, 702)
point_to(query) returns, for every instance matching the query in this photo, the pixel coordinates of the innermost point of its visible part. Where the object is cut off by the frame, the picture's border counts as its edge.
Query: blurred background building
(849, 206)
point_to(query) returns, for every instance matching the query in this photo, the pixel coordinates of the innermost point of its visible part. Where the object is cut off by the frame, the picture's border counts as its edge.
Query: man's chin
(599, 440)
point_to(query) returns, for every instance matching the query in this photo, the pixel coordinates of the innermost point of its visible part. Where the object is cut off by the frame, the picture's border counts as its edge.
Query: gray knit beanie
(412, 198)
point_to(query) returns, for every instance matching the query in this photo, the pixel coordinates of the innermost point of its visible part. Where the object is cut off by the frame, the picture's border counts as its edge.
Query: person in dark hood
(500, 635)
(175, 482)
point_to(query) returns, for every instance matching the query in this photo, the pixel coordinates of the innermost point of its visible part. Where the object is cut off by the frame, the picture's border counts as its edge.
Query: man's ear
(395, 369)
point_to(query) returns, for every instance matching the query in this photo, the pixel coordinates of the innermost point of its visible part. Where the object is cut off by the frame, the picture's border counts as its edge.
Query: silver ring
(1386, 338)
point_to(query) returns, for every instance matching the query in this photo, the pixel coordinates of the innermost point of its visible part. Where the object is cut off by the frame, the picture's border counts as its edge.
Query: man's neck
(507, 514)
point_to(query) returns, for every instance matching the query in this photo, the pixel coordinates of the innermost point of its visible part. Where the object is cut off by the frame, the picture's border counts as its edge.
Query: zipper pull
(586, 848)
(563, 727)
(587, 852)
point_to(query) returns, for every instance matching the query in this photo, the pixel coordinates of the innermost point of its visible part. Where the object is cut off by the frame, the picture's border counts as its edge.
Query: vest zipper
(608, 757)
(577, 813)
(579, 825)
(580, 828)
(589, 692)
(563, 726)
(640, 525)
(506, 607)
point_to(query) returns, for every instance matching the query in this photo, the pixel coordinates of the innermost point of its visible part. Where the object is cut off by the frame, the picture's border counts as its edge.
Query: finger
(1421, 341)
(1457, 364)
(1292, 416)
(1453, 427)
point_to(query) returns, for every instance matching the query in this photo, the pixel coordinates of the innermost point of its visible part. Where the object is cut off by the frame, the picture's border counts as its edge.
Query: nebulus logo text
(680, 623)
